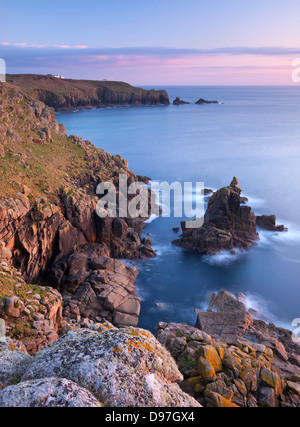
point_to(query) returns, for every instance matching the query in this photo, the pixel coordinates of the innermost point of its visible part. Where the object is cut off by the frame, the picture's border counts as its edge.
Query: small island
(178, 101)
(202, 101)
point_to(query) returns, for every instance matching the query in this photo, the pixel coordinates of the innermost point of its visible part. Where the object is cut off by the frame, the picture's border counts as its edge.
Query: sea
(253, 134)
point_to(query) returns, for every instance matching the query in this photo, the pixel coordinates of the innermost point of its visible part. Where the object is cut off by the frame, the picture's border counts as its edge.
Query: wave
(292, 236)
(261, 305)
(224, 258)
(254, 202)
(254, 301)
(162, 249)
(152, 218)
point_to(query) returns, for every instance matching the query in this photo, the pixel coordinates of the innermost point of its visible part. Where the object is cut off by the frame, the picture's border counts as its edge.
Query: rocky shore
(228, 224)
(229, 360)
(49, 230)
(68, 306)
(233, 360)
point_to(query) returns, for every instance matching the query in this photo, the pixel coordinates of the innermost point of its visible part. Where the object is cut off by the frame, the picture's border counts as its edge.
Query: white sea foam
(142, 293)
(164, 306)
(163, 249)
(254, 202)
(261, 305)
(224, 258)
(255, 302)
(151, 219)
(291, 237)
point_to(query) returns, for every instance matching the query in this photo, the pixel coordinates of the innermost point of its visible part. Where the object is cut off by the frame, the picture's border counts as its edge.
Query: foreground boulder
(120, 367)
(47, 393)
(227, 224)
(14, 361)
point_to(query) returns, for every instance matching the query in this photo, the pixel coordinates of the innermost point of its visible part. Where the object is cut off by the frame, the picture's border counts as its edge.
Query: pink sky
(155, 66)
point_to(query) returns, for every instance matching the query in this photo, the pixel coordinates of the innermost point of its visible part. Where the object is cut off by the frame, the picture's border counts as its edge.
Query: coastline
(99, 303)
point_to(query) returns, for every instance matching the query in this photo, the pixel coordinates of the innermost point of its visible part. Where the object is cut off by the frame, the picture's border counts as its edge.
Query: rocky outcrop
(97, 288)
(233, 360)
(118, 367)
(31, 313)
(268, 222)
(75, 94)
(229, 319)
(202, 101)
(178, 101)
(227, 224)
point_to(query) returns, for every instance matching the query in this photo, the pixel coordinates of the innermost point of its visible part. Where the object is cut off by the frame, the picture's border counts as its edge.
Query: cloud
(117, 63)
(155, 52)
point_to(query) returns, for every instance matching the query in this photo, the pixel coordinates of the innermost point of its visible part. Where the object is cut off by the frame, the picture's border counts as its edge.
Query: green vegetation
(8, 288)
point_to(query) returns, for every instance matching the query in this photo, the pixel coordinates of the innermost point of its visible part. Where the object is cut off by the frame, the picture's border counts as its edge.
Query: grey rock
(127, 367)
(13, 361)
(48, 392)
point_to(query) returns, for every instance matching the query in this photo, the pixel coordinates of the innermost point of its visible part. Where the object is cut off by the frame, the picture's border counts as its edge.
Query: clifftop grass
(35, 151)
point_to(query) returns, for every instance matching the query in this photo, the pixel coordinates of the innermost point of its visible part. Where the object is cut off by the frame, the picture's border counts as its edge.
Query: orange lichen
(12, 346)
(148, 347)
(133, 333)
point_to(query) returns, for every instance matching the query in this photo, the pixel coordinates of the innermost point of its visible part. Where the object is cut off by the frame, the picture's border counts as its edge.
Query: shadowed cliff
(66, 94)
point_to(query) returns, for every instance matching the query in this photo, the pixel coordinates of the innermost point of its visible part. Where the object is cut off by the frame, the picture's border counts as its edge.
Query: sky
(157, 42)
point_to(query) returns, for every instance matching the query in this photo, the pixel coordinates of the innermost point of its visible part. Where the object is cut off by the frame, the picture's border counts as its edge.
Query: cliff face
(47, 213)
(75, 94)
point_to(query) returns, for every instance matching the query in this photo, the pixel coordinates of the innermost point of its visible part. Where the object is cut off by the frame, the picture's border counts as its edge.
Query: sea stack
(227, 224)
(178, 101)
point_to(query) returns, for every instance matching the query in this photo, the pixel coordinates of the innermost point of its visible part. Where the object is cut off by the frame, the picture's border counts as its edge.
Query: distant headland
(66, 94)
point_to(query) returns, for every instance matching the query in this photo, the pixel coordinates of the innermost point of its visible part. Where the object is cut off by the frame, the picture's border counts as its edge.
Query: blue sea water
(254, 135)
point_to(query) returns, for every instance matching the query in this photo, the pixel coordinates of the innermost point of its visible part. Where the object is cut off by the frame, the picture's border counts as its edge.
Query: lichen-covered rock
(230, 373)
(31, 314)
(48, 392)
(14, 361)
(121, 367)
(215, 400)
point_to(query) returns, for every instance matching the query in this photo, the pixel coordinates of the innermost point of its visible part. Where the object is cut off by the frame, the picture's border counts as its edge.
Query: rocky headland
(228, 224)
(50, 233)
(70, 94)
